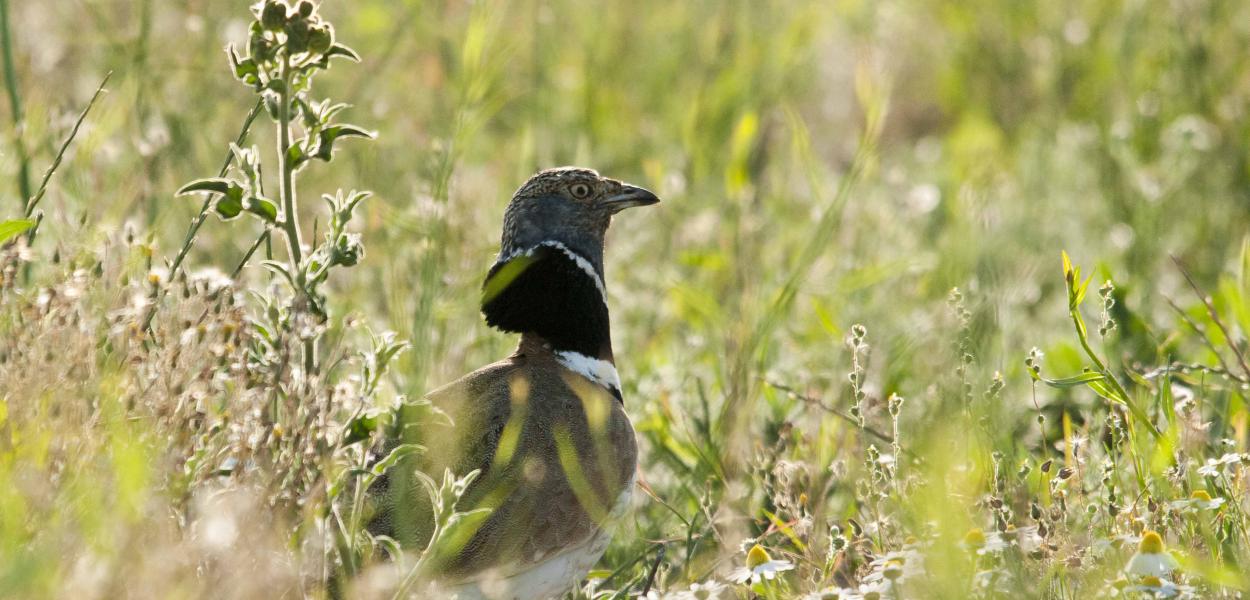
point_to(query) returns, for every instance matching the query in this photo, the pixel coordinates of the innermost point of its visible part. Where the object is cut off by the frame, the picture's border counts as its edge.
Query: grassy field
(858, 361)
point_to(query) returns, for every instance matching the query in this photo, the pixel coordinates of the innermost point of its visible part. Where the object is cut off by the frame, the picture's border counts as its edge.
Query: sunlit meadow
(945, 299)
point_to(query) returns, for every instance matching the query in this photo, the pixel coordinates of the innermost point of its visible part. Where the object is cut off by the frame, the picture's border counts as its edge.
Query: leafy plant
(1097, 376)
(288, 46)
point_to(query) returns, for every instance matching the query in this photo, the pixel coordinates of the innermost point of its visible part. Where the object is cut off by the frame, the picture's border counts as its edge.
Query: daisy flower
(760, 567)
(1215, 466)
(976, 540)
(877, 590)
(709, 590)
(1199, 500)
(834, 593)
(1151, 560)
(1161, 588)
(897, 566)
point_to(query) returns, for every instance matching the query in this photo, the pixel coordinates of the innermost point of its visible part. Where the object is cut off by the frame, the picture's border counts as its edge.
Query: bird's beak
(628, 197)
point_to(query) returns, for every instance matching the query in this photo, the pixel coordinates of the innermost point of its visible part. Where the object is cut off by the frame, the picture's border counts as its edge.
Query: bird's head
(570, 206)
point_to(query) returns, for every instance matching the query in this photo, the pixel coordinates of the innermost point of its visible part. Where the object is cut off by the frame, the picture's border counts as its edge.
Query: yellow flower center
(893, 569)
(1151, 581)
(975, 537)
(1151, 543)
(757, 556)
(1200, 495)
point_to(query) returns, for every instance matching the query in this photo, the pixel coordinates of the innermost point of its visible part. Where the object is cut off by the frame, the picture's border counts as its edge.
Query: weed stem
(199, 219)
(290, 218)
(33, 201)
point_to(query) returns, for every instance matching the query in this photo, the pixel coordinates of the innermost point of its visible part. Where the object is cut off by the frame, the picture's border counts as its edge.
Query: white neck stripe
(597, 370)
(581, 261)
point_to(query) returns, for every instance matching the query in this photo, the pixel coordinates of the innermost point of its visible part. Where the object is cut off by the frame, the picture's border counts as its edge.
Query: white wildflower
(760, 567)
(1199, 500)
(1161, 588)
(1151, 558)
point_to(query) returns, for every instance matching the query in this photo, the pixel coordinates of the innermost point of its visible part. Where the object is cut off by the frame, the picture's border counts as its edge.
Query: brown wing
(554, 450)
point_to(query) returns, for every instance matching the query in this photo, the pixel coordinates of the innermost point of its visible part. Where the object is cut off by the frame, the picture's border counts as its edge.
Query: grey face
(568, 205)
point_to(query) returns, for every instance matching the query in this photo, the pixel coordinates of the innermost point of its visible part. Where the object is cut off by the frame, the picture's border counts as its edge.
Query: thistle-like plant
(288, 46)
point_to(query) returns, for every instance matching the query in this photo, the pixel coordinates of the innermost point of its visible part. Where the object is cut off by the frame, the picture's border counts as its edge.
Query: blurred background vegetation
(822, 163)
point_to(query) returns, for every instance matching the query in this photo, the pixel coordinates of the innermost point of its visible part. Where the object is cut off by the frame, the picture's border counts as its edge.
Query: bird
(545, 428)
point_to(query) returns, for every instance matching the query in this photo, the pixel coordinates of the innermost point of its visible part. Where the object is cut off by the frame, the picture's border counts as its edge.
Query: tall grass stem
(33, 202)
(15, 102)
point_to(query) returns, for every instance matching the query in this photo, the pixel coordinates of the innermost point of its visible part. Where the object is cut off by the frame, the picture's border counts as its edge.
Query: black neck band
(546, 292)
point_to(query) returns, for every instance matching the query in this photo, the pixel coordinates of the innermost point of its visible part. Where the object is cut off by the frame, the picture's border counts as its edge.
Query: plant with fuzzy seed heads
(859, 352)
(1108, 324)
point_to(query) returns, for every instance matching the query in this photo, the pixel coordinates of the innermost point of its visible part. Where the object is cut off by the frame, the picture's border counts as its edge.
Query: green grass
(822, 165)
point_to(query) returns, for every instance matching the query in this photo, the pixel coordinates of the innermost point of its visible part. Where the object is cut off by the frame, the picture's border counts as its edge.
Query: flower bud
(259, 48)
(305, 8)
(297, 34)
(320, 38)
(273, 15)
(348, 250)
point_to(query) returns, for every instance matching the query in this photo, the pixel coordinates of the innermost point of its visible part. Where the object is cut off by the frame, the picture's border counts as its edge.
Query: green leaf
(280, 269)
(295, 156)
(215, 185)
(338, 131)
(396, 454)
(344, 51)
(8, 229)
(262, 207)
(247, 160)
(1103, 390)
(378, 468)
(1084, 287)
(1166, 401)
(1075, 380)
(271, 105)
(356, 197)
(243, 67)
(786, 529)
(1077, 321)
(308, 113)
(360, 428)
(327, 111)
(327, 137)
(457, 531)
(230, 205)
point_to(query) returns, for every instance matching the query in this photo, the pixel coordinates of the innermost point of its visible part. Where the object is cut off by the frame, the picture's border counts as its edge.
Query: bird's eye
(579, 190)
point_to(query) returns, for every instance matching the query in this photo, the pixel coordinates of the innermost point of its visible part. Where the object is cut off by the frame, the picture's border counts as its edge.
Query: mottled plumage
(546, 426)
